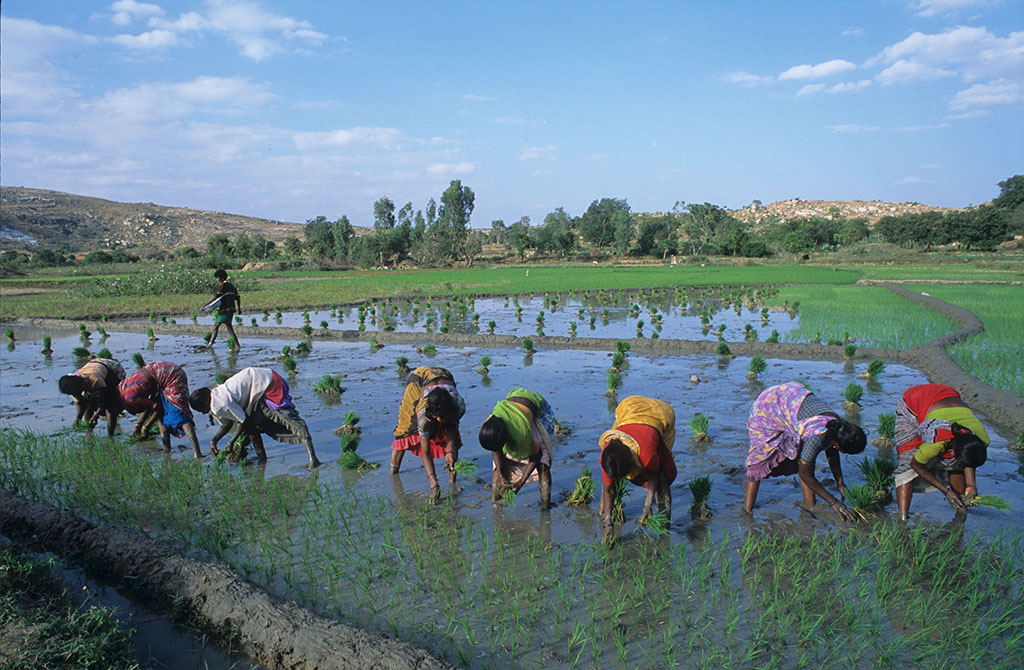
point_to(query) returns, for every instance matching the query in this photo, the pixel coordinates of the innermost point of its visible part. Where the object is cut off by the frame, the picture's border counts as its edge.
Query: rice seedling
(152, 337)
(485, 364)
(402, 365)
(82, 332)
(699, 424)
(700, 489)
(853, 394)
(152, 317)
(491, 325)
(757, 366)
(10, 334)
(303, 348)
(47, 341)
(886, 430)
(307, 330)
(138, 360)
(655, 524)
(849, 351)
(561, 430)
(509, 497)
(862, 499)
(614, 383)
(875, 368)
(528, 345)
(995, 502)
(723, 350)
(286, 350)
(618, 361)
(583, 492)
(622, 346)
(81, 353)
(104, 353)
(277, 315)
(878, 475)
(232, 344)
(773, 338)
(463, 467)
(329, 384)
(572, 329)
(427, 349)
(619, 493)
(289, 364)
(374, 344)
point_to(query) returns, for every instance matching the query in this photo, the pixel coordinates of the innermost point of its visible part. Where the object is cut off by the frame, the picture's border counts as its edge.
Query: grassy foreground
(880, 594)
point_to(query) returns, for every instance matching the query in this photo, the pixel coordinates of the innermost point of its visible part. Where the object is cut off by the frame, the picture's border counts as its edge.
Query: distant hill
(32, 217)
(873, 210)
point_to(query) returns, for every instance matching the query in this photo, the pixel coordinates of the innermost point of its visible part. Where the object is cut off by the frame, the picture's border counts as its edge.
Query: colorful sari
(776, 431)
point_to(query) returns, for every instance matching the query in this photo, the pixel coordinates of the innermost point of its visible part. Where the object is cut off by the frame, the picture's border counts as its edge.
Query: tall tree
(452, 224)
(596, 224)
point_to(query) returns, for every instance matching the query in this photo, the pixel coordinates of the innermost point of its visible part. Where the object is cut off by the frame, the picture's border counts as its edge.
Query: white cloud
(916, 129)
(32, 84)
(810, 89)
(850, 128)
(531, 153)
(903, 71)
(748, 79)
(936, 7)
(850, 86)
(450, 169)
(819, 71)
(126, 11)
(365, 136)
(997, 93)
(973, 53)
(153, 39)
(853, 32)
(475, 97)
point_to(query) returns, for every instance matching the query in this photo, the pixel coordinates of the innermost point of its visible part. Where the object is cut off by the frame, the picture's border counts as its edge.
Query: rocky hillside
(31, 217)
(796, 208)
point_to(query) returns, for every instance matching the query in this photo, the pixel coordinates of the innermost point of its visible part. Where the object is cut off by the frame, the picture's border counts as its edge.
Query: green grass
(873, 315)
(993, 355)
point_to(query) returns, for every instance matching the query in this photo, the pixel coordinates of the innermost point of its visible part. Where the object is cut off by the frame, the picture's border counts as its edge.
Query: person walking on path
(226, 302)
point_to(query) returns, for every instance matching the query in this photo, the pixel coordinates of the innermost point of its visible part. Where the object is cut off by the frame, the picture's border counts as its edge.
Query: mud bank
(276, 633)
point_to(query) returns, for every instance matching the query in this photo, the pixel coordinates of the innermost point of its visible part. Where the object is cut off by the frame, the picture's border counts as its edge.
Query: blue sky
(289, 109)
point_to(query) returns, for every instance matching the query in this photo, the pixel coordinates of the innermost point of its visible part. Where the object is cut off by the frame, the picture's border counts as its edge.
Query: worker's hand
(954, 501)
(844, 512)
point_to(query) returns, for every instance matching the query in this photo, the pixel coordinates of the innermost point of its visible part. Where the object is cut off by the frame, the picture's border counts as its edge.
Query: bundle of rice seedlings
(509, 497)
(463, 467)
(622, 346)
(619, 494)
(10, 334)
(757, 366)
(349, 459)
(286, 350)
(699, 424)
(235, 451)
(83, 333)
(485, 364)
(350, 426)
(427, 349)
(853, 393)
(402, 364)
(561, 429)
(583, 492)
(995, 502)
(850, 350)
(878, 474)
(323, 325)
(773, 338)
(374, 344)
(81, 353)
(1018, 443)
(618, 361)
(222, 377)
(655, 524)
(307, 330)
(289, 364)
(491, 325)
(528, 345)
(723, 350)
(232, 344)
(572, 328)
(104, 353)
(875, 368)
(304, 347)
(862, 499)
(138, 360)
(152, 337)
(329, 385)
(700, 489)
(886, 430)
(47, 341)
(614, 383)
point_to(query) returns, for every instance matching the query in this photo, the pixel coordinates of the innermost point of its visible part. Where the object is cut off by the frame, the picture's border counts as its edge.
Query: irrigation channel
(489, 585)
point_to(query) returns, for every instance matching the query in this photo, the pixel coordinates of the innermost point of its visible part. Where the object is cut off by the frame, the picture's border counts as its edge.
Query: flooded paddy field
(487, 584)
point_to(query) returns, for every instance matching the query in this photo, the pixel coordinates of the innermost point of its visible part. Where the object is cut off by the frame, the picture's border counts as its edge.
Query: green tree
(598, 223)
(623, 226)
(341, 236)
(519, 238)
(292, 246)
(1011, 193)
(384, 214)
(656, 235)
(499, 233)
(452, 226)
(98, 256)
(702, 224)
(319, 237)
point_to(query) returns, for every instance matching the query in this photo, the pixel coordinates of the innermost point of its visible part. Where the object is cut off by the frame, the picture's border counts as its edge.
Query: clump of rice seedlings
(47, 341)
(81, 353)
(584, 490)
(351, 425)
(700, 489)
(152, 317)
(286, 350)
(834, 343)
(304, 347)
(323, 325)
(289, 364)
(875, 368)
(619, 493)
(862, 499)
(349, 459)
(886, 430)
(402, 364)
(138, 360)
(1018, 443)
(307, 330)
(528, 345)
(723, 350)
(491, 325)
(485, 363)
(232, 344)
(103, 332)
(104, 353)
(572, 329)
(427, 349)
(329, 385)
(82, 332)
(622, 346)
(757, 366)
(878, 475)
(509, 497)
(277, 315)
(253, 323)
(853, 394)
(561, 429)
(773, 338)
(721, 331)
(618, 361)
(614, 383)
(463, 467)
(849, 351)
(655, 524)
(995, 502)
(222, 377)
(374, 344)
(152, 337)
(207, 336)
(235, 451)
(699, 424)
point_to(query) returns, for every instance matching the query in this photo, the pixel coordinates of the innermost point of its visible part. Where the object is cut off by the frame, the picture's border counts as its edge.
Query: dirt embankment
(277, 633)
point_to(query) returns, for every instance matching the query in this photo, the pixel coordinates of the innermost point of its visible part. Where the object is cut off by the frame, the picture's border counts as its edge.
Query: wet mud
(277, 633)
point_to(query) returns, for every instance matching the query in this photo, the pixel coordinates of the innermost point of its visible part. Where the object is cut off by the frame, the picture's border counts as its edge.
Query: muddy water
(574, 383)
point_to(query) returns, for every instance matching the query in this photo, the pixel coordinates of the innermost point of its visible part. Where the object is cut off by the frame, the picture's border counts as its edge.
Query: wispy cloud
(853, 32)
(450, 169)
(850, 128)
(748, 79)
(810, 89)
(476, 97)
(937, 7)
(850, 86)
(127, 11)
(908, 181)
(531, 153)
(819, 71)
(996, 93)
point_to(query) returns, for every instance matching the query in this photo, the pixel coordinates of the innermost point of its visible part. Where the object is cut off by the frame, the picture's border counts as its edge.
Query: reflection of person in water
(159, 391)
(788, 428)
(940, 442)
(639, 448)
(256, 402)
(518, 434)
(428, 423)
(94, 388)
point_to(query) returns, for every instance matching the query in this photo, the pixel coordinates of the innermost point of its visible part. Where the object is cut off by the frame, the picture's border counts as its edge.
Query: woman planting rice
(159, 391)
(639, 448)
(939, 443)
(788, 428)
(428, 423)
(518, 434)
(94, 388)
(256, 402)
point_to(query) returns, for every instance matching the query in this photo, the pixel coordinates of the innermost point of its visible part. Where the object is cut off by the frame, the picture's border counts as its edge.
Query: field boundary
(277, 633)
